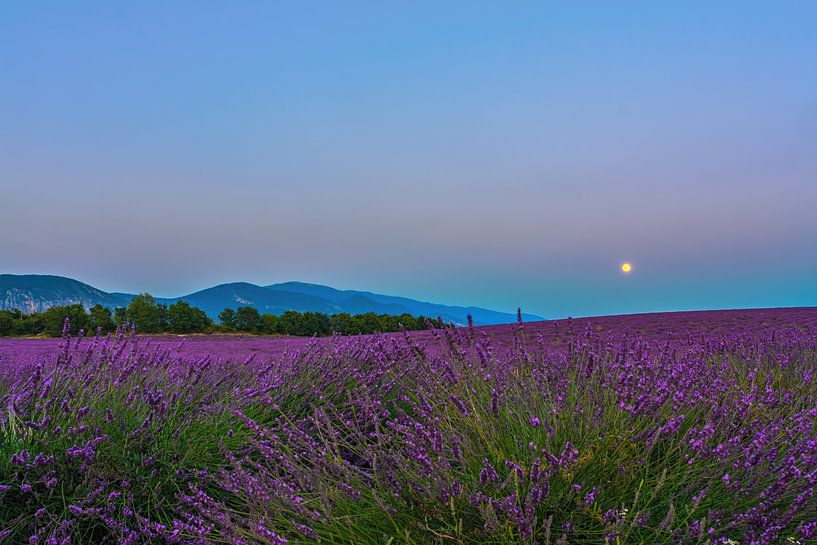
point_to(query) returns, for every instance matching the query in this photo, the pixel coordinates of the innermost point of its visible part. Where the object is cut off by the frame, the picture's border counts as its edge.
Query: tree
(345, 324)
(182, 318)
(388, 322)
(227, 318)
(164, 324)
(101, 319)
(147, 315)
(290, 323)
(120, 316)
(8, 323)
(32, 324)
(409, 322)
(369, 322)
(269, 323)
(14, 322)
(316, 323)
(247, 319)
(53, 319)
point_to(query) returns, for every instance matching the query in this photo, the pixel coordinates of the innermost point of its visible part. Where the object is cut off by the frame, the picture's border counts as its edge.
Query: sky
(498, 154)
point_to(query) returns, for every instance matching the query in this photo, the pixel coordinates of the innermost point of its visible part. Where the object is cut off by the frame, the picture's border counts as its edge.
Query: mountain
(38, 292)
(390, 304)
(35, 293)
(241, 294)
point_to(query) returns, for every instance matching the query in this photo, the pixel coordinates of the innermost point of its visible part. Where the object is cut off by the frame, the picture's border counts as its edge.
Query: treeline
(307, 324)
(148, 316)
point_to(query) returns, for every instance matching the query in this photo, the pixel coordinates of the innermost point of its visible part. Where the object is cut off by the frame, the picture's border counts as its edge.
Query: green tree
(409, 322)
(387, 322)
(120, 316)
(182, 318)
(53, 319)
(290, 323)
(247, 319)
(316, 323)
(345, 324)
(369, 322)
(269, 323)
(7, 323)
(227, 318)
(16, 323)
(163, 321)
(32, 324)
(146, 314)
(100, 319)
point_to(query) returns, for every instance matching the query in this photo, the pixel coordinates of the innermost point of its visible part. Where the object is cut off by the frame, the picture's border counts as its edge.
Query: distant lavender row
(678, 326)
(607, 431)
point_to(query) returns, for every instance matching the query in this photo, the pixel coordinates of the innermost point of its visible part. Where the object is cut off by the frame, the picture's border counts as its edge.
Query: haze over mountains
(35, 293)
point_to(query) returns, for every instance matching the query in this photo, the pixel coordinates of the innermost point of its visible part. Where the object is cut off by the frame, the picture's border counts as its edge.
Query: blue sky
(468, 153)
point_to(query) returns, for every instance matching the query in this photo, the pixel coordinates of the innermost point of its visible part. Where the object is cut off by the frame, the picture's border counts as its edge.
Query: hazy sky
(497, 154)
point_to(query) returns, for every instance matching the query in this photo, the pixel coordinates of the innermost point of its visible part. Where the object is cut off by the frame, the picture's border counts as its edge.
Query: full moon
(626, 267)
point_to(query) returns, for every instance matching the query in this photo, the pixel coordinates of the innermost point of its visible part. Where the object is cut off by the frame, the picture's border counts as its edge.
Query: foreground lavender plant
(616, 439)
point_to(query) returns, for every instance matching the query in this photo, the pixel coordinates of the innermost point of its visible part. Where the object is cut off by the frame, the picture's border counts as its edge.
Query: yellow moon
(626, 267)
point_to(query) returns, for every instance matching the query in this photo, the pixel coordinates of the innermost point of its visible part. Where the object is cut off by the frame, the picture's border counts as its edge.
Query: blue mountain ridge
(34, 293)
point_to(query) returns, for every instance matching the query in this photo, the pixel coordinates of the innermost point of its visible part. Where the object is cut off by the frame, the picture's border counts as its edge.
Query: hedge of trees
(143, 312)
(307, 324)
(51, 321)
(148, 316)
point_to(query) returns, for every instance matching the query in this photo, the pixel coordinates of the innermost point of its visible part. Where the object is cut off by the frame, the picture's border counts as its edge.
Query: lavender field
(696, 428)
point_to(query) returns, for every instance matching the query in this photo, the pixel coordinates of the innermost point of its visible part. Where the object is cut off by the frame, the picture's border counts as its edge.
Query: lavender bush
(602, 439)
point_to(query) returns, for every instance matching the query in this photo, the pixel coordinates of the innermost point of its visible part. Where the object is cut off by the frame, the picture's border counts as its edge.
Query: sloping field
(689, 428)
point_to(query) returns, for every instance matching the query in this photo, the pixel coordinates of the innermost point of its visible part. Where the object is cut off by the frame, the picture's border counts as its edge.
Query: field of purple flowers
(572, 432)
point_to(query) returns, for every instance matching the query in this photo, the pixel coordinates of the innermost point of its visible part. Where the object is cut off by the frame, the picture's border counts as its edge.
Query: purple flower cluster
(446, 435)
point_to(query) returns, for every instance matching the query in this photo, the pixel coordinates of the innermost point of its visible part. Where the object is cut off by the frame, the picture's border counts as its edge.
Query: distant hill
(241, 294)
(38, 292)
(389, 304)
(35, 293)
